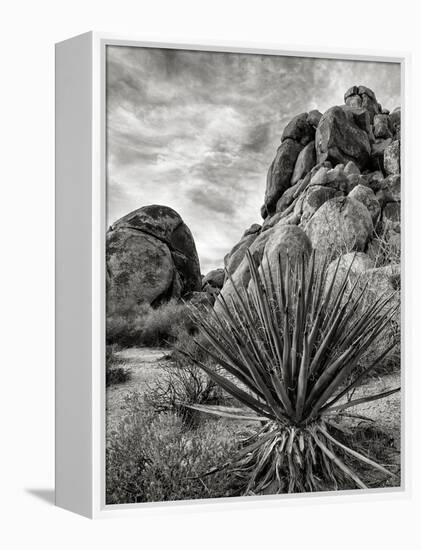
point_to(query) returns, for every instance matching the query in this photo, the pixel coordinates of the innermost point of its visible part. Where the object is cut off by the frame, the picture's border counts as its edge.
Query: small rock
(336, 178)
(392, 163)
(354, 101)
(368, 198)
(390, 190)
(375, 180)
(320, 177)
(353, 181)
(391, 216)
(381, 127)
(200, 299)
(214, 278)
(254, 228)
(351, 168)
(314, 117)
(395, 122)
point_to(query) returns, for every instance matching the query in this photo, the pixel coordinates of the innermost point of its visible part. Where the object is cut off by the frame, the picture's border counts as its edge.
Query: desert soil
(146, 363)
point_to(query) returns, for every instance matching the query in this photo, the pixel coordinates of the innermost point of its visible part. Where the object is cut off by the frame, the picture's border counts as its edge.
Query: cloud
(197, 130)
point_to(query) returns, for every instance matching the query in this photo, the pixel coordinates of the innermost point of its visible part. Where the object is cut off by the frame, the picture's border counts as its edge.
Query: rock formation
(334, 186)
(151, 258)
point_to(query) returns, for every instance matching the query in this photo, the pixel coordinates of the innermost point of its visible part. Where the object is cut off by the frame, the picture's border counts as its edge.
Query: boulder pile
(333, 186)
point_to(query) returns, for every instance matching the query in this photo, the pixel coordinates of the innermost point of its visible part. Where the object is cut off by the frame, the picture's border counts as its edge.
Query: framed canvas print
(229, 251)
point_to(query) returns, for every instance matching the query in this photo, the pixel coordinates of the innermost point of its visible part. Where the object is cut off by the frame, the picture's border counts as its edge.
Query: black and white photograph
(253, 254)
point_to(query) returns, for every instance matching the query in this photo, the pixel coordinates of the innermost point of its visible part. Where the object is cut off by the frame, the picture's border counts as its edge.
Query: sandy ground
(145, 365)
(385, 412)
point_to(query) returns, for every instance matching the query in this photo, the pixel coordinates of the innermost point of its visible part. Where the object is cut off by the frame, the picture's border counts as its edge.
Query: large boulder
(287, 240)
(352, 264)
(305, 162)
(361, 96)
(234, 258)
(280, 172)
(340, 140)
(299, 129)
(314, 197)
(340, 225)
(151, 258)
(240, 276)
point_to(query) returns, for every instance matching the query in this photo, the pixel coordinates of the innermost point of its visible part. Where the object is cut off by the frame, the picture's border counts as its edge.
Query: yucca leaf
(302, 379)
(247, 399)
(363, 400)
(355, 454)
(226, 412)
(347, 471)
(360, 377)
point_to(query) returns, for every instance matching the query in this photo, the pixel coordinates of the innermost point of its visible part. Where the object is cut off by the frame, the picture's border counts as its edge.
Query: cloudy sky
(197, 131)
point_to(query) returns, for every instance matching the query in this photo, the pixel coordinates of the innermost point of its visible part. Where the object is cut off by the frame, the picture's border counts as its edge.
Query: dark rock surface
(340, 139)
(151, 258)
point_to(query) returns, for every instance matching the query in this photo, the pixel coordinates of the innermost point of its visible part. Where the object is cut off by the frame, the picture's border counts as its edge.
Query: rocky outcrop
(151, 258)
(360, 137)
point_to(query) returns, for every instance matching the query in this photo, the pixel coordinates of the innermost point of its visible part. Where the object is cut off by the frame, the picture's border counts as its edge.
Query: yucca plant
(289, 348)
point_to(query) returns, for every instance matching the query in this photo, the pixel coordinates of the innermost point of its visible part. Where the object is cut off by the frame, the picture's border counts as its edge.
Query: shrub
(181, 386)
(162, 326)
(115, 372)
(145, 326)
(153, 458)
(385, 248)
(289, 344)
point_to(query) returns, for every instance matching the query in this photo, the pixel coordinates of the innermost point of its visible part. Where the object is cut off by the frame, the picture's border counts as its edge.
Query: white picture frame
(80, 276)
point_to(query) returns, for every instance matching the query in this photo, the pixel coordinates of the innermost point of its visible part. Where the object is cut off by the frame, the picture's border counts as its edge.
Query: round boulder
(353, 264)
(151, 258)
(214, 278)
(366, 195)
(340, 140)
(340, 225)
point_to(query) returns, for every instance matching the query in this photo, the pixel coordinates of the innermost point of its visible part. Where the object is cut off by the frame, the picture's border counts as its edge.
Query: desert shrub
(183, 383)
(152, 458)
(162, 326)
(385, 247)
(116, 373)
(145, 326)
(181, 386)
(288, 345)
